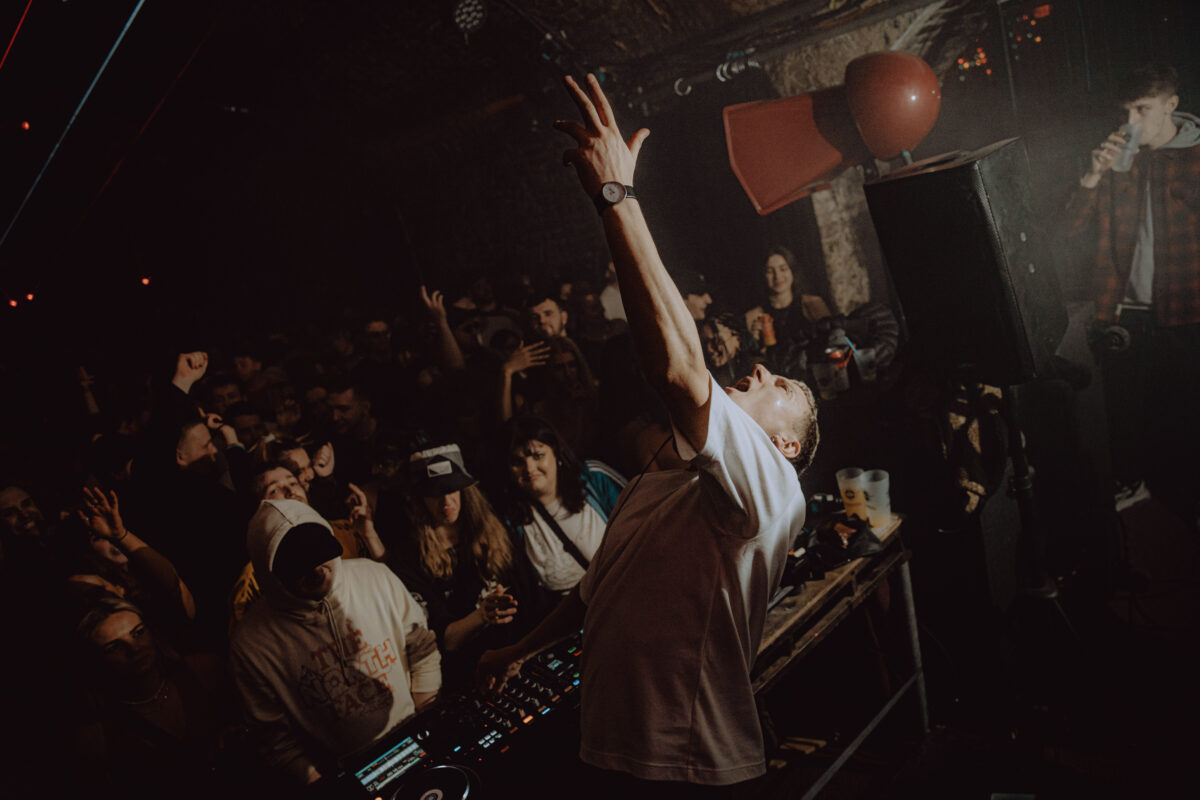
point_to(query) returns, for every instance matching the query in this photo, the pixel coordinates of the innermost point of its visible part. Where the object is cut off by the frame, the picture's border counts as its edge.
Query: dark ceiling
(231, 149)
(235, 137)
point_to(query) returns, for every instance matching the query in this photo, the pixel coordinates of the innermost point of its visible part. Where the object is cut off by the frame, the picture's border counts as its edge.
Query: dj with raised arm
(673, 603)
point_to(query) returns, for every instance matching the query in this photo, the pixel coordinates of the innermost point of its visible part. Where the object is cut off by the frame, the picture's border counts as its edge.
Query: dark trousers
(1152, 392)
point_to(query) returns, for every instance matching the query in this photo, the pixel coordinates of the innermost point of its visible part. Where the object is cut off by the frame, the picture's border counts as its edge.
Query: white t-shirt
(676, 598)
(556, 567)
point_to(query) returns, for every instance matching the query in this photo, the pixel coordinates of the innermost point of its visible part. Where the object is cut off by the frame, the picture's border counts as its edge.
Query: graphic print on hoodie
(322, 678)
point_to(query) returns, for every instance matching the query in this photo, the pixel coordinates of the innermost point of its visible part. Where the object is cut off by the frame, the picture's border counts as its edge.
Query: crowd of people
(202, 527)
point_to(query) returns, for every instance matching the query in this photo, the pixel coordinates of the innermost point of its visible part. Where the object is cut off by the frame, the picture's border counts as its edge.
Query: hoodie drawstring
(337, 638)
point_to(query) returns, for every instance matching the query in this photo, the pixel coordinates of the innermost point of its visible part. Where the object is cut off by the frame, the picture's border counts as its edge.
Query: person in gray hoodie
(339, 654)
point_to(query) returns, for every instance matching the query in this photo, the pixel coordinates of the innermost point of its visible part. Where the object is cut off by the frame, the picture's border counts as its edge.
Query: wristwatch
(612, 193)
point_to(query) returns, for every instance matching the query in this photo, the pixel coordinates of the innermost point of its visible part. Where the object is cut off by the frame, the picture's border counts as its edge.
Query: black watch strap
(602, 200)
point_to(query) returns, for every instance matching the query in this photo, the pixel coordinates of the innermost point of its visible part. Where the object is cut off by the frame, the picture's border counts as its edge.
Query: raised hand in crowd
(363, 521)
(214, 422)
(322, 460)
(102, 515)
(435, 304)
(87, 382)
(525, 356)
(452, 355)
(189, 368)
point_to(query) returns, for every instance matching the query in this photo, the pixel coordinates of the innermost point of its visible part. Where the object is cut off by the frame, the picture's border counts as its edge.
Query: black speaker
(969, 264)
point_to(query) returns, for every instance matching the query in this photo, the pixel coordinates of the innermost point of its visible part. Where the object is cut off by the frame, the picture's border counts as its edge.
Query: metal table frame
(804, 619)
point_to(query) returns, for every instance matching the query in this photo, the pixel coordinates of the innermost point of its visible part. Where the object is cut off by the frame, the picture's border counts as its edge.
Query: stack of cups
(865, 495)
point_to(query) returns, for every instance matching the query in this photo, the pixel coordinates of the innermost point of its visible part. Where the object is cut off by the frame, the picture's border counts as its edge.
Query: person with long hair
(558, 505)
(477, 584)
(793, 312)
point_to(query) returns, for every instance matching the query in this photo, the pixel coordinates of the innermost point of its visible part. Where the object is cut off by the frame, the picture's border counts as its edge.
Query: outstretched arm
(663, 330)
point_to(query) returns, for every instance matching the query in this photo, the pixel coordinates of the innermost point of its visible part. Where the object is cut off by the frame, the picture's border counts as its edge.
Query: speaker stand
(1037, 583)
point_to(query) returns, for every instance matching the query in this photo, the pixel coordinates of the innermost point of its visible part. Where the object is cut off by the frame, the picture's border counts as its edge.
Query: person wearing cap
(337, 655)
(477, 583)
(694, 290)
(673, 604)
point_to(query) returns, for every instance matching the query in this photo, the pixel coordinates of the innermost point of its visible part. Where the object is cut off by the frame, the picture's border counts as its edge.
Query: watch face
(613, 192)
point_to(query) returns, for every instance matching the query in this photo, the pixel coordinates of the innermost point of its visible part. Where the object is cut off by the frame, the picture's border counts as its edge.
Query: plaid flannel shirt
(1117, 205)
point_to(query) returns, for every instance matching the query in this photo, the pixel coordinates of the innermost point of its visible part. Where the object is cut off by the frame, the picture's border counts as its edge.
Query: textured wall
(851, 251)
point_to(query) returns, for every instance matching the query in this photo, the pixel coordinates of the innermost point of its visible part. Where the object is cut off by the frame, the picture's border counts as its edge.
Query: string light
(145, 281)
(29, 297)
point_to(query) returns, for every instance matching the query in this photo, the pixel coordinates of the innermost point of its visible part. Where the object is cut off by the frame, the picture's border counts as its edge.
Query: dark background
(271, 162)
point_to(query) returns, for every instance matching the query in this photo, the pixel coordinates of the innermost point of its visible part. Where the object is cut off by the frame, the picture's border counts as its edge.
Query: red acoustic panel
(781, 150)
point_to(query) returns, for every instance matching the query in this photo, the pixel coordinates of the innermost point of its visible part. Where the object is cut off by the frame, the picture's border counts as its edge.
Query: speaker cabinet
(968, 263)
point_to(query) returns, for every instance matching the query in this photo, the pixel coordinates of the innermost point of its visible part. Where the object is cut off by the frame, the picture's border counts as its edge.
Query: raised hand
(435, 304)
(322, 460)
(214, 422)
(86, 379)
(602, 154)
(526, 356)
(360, 509)
(102, 514)
(189, 368)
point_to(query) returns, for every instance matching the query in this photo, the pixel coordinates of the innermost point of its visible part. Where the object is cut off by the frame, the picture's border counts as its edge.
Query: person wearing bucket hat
(476, 581)
(306, 660)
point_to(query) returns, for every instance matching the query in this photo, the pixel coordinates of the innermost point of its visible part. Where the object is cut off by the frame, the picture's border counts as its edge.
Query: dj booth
(509, 745)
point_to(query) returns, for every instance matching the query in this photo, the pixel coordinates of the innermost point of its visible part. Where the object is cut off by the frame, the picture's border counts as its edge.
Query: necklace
(159, 693)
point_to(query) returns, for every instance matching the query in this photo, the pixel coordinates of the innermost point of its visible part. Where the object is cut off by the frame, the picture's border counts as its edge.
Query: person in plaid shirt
(1146, 213)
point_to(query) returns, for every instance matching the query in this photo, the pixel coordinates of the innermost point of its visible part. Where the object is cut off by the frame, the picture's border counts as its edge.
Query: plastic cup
(1124, 159)
(864, 358)
(850, 486)
(876, 498)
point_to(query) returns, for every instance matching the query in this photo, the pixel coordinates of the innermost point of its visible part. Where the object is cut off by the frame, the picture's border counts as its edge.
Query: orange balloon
(894, 99)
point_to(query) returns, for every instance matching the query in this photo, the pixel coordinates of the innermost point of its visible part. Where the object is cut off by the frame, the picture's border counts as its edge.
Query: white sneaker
(1130, 494)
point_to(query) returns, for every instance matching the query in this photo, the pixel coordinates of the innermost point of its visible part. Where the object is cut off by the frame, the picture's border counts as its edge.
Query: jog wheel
(446, 782)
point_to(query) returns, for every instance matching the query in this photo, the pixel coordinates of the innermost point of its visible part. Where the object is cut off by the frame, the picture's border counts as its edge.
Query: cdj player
(441, 753)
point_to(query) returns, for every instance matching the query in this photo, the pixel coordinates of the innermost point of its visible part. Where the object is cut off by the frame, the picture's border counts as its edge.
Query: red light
(25, 125)
(29, 296)
(12, 303)
(145, 281)
(1041, 12)
(989, 72)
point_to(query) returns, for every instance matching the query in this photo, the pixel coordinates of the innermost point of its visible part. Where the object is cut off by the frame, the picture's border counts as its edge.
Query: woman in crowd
(478, 586)
(558, 506)
(152, 721)
(784, 323)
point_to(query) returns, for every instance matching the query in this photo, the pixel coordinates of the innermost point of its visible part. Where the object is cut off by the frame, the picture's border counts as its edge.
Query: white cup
(850, 486)
(876, 497)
